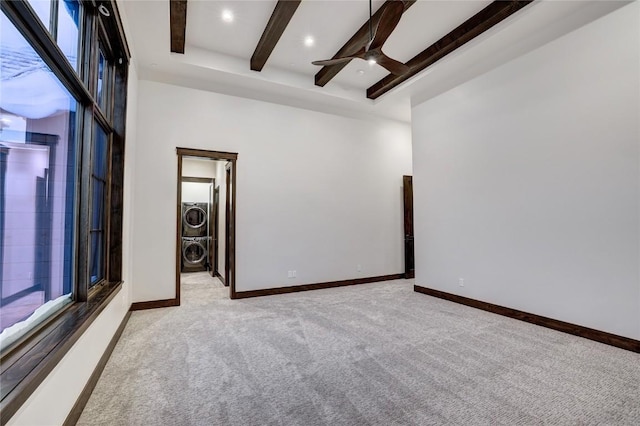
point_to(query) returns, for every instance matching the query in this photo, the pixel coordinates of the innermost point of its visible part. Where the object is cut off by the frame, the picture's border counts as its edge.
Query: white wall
(197, 192)
(196, 167)
(316, 193)
(52, 401)
(526, 181)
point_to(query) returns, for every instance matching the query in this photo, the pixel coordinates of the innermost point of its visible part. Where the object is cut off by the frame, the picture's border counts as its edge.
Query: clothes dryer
(194, 254)
(195, 219)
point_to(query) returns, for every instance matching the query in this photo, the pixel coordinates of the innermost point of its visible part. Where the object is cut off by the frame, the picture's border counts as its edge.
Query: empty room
(319, 212)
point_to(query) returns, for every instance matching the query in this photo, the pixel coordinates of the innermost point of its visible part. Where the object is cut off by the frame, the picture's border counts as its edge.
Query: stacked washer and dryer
(195, 237)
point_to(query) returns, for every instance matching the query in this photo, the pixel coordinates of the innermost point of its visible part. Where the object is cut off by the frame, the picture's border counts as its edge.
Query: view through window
(37, 186)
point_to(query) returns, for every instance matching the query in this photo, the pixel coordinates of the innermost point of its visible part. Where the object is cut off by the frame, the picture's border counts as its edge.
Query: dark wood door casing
(216, 233)
(228, 226)
(231, 157)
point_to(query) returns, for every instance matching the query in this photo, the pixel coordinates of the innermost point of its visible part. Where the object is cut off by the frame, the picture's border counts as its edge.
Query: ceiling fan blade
(329, 62)
(387, 23)
(393, 66)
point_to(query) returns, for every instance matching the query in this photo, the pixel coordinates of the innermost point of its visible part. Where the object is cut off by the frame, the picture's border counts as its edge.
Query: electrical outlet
(289, 274)
(461, 282)
(294, 274)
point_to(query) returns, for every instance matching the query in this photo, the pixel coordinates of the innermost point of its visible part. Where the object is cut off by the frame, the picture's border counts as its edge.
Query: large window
(38, 163)
(63, 72)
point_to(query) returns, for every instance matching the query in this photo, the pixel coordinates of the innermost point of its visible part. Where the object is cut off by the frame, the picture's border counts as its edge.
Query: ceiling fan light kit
(372, 50)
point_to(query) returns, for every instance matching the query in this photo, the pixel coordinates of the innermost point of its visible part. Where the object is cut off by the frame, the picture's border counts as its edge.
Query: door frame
(213, 223)
(228, 225)
(229, 250)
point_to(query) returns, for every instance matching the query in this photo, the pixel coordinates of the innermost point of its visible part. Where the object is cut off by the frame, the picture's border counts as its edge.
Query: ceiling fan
(372, 50)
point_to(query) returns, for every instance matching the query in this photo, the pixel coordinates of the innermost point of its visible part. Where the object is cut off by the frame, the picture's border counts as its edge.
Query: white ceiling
(217, 53)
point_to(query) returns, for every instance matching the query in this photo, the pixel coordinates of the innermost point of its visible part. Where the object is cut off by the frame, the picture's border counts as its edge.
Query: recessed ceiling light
(360, 72)
(309, 41)
(227, 15)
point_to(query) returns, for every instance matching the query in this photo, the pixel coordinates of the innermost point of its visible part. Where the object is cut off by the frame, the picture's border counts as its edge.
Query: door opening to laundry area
(205, 255)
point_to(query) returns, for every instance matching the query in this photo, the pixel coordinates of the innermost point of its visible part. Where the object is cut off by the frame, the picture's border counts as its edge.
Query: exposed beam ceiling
(355, 43)
(470, 29)
(282, 14)
(178, 24)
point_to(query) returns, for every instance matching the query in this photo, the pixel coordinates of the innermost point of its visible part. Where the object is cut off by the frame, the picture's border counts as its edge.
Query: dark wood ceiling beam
(359, 39)
(470, 29)
(178, 24)
(282, 14)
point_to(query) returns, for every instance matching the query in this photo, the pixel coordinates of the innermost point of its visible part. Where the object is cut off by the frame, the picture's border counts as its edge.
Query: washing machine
(195, 219)
(194, 254)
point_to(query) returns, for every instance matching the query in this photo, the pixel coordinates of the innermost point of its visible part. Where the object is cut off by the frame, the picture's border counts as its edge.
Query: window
(37, 171)
(62, 19)
(63, 73)
(99, 182)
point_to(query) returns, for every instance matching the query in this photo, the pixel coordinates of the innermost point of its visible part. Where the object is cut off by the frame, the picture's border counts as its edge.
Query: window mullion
(85, 207)
(53, 19)
(107, 210)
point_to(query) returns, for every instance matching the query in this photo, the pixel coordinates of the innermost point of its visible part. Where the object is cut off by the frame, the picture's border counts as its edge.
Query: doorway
(409, 257)
(206, 191)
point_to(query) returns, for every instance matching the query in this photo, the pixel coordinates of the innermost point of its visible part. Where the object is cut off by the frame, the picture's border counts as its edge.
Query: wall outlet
(359, 267)
(289, 274)
(294, 273)
(461, 282)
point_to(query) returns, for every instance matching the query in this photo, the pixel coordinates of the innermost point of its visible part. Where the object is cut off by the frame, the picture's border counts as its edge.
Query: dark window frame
(25, 364)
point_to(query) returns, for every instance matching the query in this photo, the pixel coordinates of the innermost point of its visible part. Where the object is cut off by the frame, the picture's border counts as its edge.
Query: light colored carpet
(201, 288)
(199, 278)
(375, 354)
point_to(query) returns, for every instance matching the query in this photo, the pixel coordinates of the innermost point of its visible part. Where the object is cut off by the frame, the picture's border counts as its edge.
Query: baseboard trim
(566, 327)
(139, 306)
(317, 286)
(83, 398)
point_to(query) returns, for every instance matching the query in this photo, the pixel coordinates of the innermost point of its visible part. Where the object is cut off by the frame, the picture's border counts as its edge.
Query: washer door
(194, 217)
(193, 252)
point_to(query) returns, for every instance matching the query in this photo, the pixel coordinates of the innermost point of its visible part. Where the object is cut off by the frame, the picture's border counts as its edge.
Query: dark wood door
(215, 224)
(212, 231)
(409, 259)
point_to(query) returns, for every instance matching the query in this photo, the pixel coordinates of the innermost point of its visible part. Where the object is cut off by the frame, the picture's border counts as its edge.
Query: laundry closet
(202, 213)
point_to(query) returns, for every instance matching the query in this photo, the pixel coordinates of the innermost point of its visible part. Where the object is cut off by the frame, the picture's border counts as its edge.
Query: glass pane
(96, 259)
(68, 25)
(37, 187)
(100, 152)
(101, 75)
(97, 205)
(43, 10)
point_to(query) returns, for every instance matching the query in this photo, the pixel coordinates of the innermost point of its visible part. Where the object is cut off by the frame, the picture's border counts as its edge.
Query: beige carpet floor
(375, 354)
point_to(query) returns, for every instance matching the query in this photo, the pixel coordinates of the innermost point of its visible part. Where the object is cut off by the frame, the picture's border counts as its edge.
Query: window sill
(26, 367)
